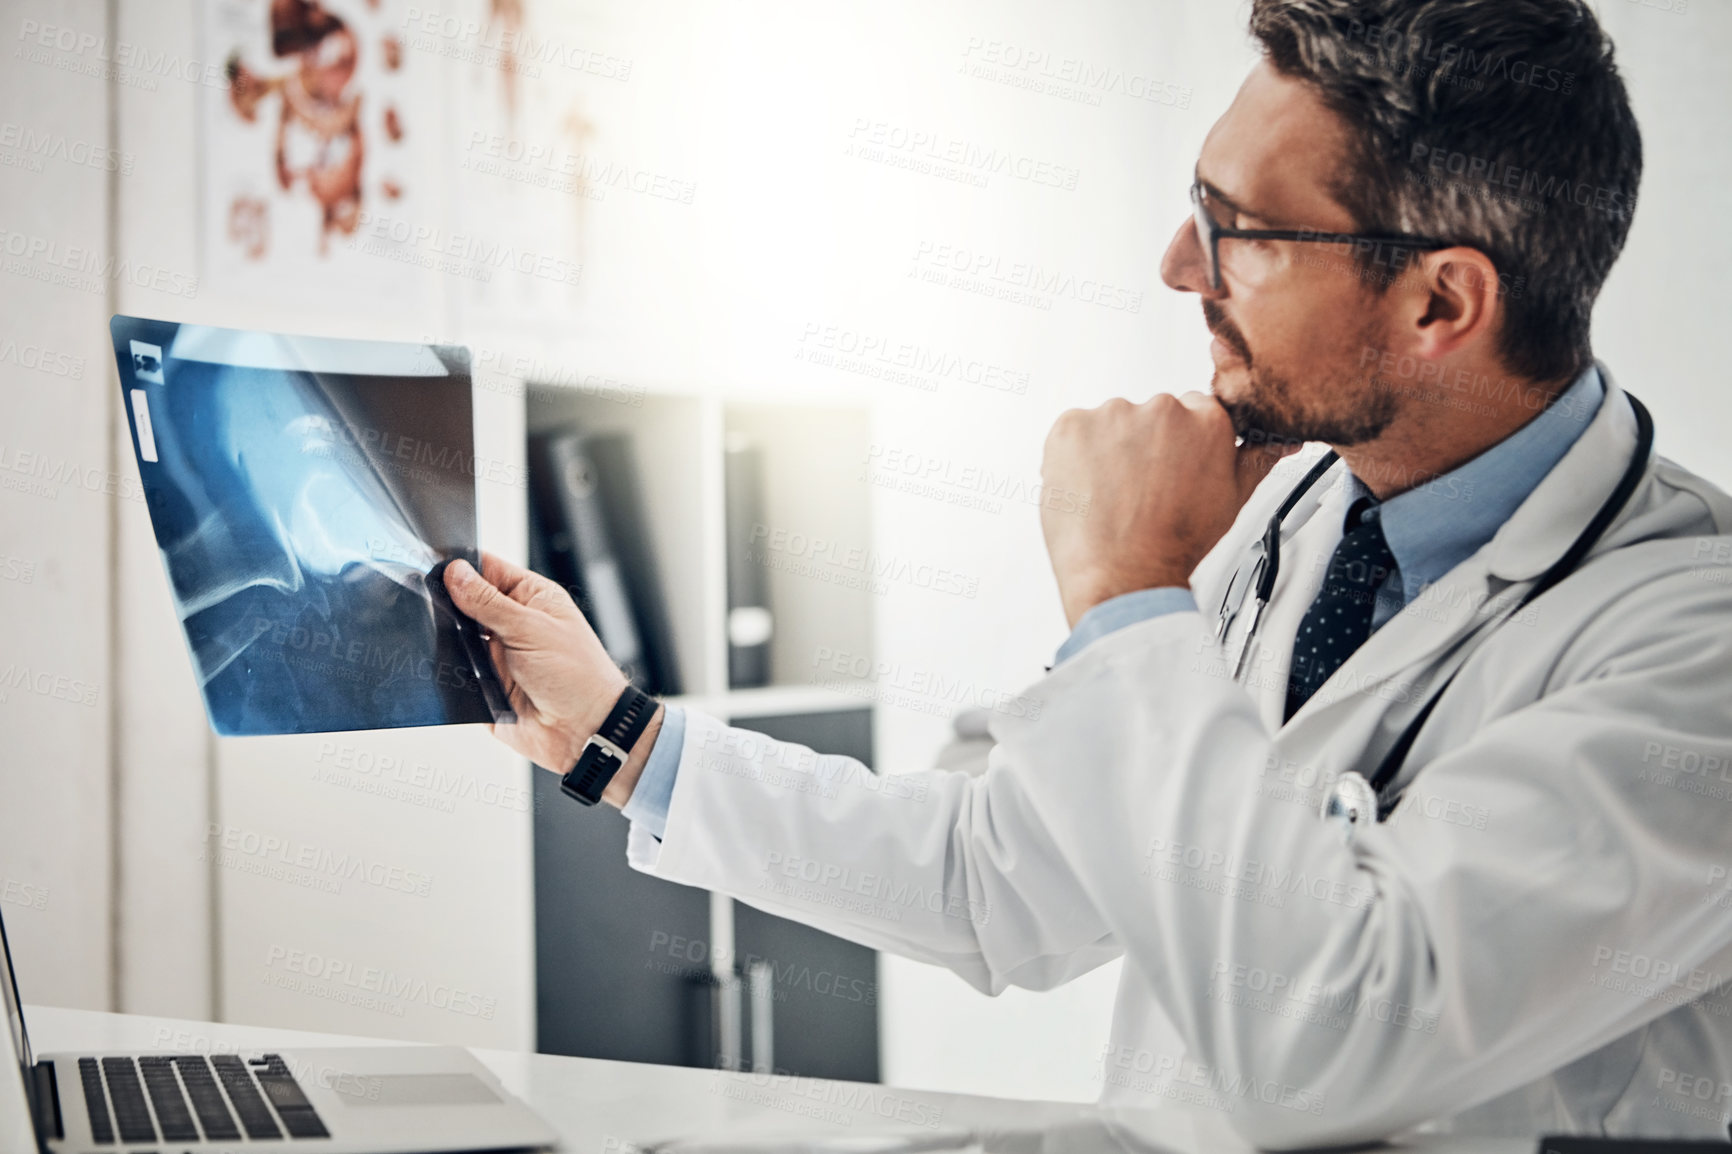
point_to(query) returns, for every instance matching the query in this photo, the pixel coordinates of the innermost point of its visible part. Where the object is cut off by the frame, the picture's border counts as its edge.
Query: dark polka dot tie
(1339, 620)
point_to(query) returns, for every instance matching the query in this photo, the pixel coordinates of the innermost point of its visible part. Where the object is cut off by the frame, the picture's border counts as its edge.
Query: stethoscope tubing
(1269, 564)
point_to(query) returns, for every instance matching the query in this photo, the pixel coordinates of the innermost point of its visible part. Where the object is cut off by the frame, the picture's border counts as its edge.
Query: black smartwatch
(605, 752)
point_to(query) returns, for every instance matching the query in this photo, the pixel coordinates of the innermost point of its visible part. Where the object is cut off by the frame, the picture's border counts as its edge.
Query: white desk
(603, 1107)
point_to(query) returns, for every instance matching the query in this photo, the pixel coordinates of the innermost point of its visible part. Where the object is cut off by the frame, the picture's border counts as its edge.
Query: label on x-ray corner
(141, 421)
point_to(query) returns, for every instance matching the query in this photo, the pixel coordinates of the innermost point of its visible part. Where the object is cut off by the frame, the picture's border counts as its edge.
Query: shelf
(816, 528)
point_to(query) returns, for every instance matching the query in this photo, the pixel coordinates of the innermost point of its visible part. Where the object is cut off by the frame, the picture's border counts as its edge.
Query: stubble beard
(1349, 409)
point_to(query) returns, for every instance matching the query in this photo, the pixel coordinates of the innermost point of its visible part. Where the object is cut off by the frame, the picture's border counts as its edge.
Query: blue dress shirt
(1431, 528)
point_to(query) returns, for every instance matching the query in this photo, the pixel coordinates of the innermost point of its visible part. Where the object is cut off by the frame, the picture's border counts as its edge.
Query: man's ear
(1456, 301)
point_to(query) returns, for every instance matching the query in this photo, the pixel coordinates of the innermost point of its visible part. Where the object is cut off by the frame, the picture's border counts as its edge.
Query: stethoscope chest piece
(1350, 803)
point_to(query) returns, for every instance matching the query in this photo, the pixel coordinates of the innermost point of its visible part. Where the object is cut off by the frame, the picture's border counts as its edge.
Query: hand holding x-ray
(560, 680)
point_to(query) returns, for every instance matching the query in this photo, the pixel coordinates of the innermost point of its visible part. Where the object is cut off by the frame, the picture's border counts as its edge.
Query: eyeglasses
(1210, 235)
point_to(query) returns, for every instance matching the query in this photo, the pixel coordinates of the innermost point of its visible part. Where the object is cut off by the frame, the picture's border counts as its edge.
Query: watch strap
(605, 752)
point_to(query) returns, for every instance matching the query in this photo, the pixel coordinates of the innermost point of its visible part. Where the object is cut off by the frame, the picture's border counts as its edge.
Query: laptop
(342, 1100)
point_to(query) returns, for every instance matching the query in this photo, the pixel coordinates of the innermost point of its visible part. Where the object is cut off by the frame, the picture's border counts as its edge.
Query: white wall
(57, 683)
(788, 233)
(1660, 320)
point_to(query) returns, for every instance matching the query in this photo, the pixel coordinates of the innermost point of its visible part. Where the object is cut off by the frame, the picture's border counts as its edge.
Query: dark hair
(1502, 125)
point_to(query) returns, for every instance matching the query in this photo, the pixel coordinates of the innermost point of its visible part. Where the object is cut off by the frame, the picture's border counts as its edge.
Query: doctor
(1537, 938)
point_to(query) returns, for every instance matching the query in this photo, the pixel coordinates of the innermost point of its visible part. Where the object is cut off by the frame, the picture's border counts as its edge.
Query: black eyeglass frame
(1210, 233)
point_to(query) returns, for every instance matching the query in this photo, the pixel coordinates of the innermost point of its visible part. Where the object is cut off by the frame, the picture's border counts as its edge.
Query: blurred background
(804, 283)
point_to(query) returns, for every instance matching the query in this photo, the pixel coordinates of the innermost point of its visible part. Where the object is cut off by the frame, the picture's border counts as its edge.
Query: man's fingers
(480, 599)
(1210, 414)
(527, 587)
(502, 574)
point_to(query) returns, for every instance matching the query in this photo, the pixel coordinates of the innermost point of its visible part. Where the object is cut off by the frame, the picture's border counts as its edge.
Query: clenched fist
(1165, 479)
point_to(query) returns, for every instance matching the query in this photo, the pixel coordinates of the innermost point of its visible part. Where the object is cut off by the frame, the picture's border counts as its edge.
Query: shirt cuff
(1126, 609)
(648, 804)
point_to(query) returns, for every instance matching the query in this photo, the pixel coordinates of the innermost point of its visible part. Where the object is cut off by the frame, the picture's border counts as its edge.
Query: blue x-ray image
(305, 493)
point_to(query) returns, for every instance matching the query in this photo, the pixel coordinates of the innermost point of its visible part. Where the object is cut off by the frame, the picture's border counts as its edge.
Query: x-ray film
(306, 494)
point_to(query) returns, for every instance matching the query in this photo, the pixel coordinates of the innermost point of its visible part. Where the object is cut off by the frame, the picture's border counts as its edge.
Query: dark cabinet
(624, 961)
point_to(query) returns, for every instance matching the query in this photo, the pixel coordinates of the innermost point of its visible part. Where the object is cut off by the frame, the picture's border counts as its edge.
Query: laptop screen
(16, 1125)
(14, 1010)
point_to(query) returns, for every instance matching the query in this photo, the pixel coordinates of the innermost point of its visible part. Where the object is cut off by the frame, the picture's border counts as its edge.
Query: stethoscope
(1354, 798)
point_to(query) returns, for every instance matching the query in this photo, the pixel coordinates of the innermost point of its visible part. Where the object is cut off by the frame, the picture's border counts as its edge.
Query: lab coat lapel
(1396, 664)
(1305, 552)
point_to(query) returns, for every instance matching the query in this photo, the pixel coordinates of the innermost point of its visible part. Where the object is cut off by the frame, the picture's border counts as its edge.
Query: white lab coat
(1533, 943)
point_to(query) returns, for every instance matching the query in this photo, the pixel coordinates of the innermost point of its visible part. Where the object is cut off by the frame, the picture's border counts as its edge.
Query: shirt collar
(1433, 527)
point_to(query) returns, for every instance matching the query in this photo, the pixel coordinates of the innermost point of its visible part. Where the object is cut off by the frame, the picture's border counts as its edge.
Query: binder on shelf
(593, 539)
(751, 624)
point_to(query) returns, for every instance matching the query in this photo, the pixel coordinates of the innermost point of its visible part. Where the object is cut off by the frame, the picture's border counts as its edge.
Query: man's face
(1292, 321)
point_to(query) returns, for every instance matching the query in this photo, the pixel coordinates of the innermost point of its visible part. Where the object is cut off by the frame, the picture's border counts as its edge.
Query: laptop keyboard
(185, 1087)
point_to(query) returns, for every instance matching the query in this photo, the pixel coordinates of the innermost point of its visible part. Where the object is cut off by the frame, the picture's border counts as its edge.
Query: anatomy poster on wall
(518, 169)
(310, 182)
